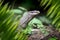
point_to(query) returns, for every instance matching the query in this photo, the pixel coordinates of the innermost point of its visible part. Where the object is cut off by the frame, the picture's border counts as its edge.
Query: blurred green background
(12, 10)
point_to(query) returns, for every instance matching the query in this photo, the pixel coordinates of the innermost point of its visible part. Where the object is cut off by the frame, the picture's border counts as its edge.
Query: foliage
(52, 38)
(53, 12)
(38, 24)
(19, 11)
(9, 24)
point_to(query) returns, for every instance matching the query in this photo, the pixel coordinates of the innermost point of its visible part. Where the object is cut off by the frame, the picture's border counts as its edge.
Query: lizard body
(27, 16)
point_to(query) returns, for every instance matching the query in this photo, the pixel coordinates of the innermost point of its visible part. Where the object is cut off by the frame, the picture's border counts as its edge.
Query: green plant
(9, 24)
(52, 38)
(53, 12)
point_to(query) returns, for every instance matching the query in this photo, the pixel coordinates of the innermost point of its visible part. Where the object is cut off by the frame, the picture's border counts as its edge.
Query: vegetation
(10, 17)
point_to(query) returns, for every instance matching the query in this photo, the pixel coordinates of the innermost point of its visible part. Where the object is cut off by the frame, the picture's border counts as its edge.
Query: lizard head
(35, 12)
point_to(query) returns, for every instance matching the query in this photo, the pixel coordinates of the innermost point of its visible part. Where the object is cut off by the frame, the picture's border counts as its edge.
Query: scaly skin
(27, 16)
